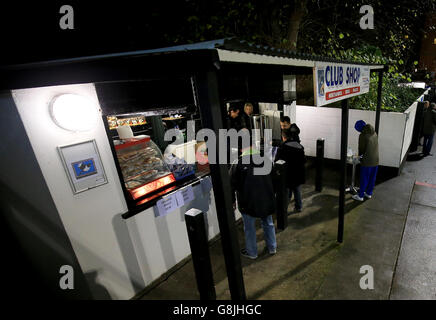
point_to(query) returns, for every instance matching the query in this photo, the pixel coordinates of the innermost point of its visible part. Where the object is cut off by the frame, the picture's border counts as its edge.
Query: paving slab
(424, 195)
(415, 276)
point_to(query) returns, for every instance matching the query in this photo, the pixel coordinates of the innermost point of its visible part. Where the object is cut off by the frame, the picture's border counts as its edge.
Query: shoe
(244, 253)
(297, 210)
(367, 195)
(356, 197)
(271, 252)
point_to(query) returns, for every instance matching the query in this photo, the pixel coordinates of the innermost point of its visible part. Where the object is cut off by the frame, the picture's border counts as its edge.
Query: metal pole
(207, 88)
(199, 244)
(282, 194)
(319, 164)
(379, 96)
(344, 144)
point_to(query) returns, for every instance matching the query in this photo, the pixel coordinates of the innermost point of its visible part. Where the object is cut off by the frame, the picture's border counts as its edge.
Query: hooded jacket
(255, 193)
(429, 121)
(368, 146)
(293, 153)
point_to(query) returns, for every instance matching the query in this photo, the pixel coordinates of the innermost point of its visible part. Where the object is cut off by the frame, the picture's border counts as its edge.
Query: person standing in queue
(421, 124)
(255, 195)
(248, 112)
(292, 152)
(285, 123)
(368, 152)
(428, 128)
(237, 121)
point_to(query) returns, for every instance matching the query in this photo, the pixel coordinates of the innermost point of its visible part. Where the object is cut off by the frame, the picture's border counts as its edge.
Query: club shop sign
(334, 82)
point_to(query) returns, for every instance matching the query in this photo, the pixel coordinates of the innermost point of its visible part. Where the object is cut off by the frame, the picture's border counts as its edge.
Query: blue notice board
(84, 168)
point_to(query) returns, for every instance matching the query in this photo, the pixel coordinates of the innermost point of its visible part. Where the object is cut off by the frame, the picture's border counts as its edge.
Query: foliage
(394, 97)
(332, 26)
(325, 27)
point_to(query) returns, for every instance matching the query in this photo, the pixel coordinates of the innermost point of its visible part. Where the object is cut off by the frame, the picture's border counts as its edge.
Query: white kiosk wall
(119, 256)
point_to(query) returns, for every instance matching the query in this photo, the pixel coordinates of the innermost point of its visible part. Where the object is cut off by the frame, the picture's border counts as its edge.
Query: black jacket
(238, 123)
(293, 153)
(429, 121)
(255, 193)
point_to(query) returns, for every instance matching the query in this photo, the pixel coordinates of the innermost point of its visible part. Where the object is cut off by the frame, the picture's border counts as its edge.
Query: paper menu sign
(185, 195)
(167, 204)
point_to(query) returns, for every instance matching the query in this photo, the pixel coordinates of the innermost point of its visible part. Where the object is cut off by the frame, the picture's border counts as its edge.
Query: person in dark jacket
(285, 124)
(428, 128)
(368, 152)
(292, 152)
(237, 119)
(255, 195)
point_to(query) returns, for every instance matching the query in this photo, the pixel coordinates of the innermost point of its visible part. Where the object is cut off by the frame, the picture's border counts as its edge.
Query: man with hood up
(368, 152)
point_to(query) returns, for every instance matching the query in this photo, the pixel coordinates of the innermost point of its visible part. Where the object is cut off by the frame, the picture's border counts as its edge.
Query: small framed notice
(83, 166)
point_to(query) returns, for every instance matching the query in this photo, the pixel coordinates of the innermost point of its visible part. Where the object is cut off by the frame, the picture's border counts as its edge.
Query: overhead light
(74, 112)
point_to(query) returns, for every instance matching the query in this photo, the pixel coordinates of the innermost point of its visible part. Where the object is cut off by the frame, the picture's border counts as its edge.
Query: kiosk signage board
(334, 81)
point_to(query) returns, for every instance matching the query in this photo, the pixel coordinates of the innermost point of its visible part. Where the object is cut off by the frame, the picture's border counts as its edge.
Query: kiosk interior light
(152, 186)
(74, 112)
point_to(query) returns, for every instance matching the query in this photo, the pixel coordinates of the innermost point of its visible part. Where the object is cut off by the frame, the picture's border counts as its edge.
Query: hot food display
(115, 122)
(142, 166)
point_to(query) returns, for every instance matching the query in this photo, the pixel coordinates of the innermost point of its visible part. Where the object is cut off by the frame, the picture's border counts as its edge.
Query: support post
(207, 89)
(344, 144)
(282, 194)
(379, 96)
(319, 164)
(199, 244)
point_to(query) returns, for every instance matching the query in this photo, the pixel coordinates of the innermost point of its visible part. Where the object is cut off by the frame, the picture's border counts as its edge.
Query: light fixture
(74, 112)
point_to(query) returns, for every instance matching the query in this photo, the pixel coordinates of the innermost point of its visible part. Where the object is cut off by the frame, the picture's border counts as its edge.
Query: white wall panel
(323, 122)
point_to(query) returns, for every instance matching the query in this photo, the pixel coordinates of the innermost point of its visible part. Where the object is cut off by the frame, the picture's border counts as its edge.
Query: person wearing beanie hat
(368, 152)
(359, 125)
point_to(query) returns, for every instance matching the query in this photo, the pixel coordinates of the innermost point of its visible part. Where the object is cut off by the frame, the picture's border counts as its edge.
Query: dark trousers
(428, 143)
(297, 197)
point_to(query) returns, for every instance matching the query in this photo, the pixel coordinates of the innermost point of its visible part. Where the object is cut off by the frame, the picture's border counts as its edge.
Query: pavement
(389, 242)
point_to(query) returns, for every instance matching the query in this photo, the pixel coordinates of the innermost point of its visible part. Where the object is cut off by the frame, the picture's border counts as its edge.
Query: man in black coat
(237, 120)
(255, 195)
(292, 152)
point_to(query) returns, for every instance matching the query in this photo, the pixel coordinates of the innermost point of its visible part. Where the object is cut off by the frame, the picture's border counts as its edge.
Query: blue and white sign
(334, 82)
(84, 168)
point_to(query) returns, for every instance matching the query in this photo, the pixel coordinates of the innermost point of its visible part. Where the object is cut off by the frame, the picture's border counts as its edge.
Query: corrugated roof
(228, 44)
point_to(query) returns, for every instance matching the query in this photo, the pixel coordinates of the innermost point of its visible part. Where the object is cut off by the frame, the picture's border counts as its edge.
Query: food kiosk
(93, 131)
